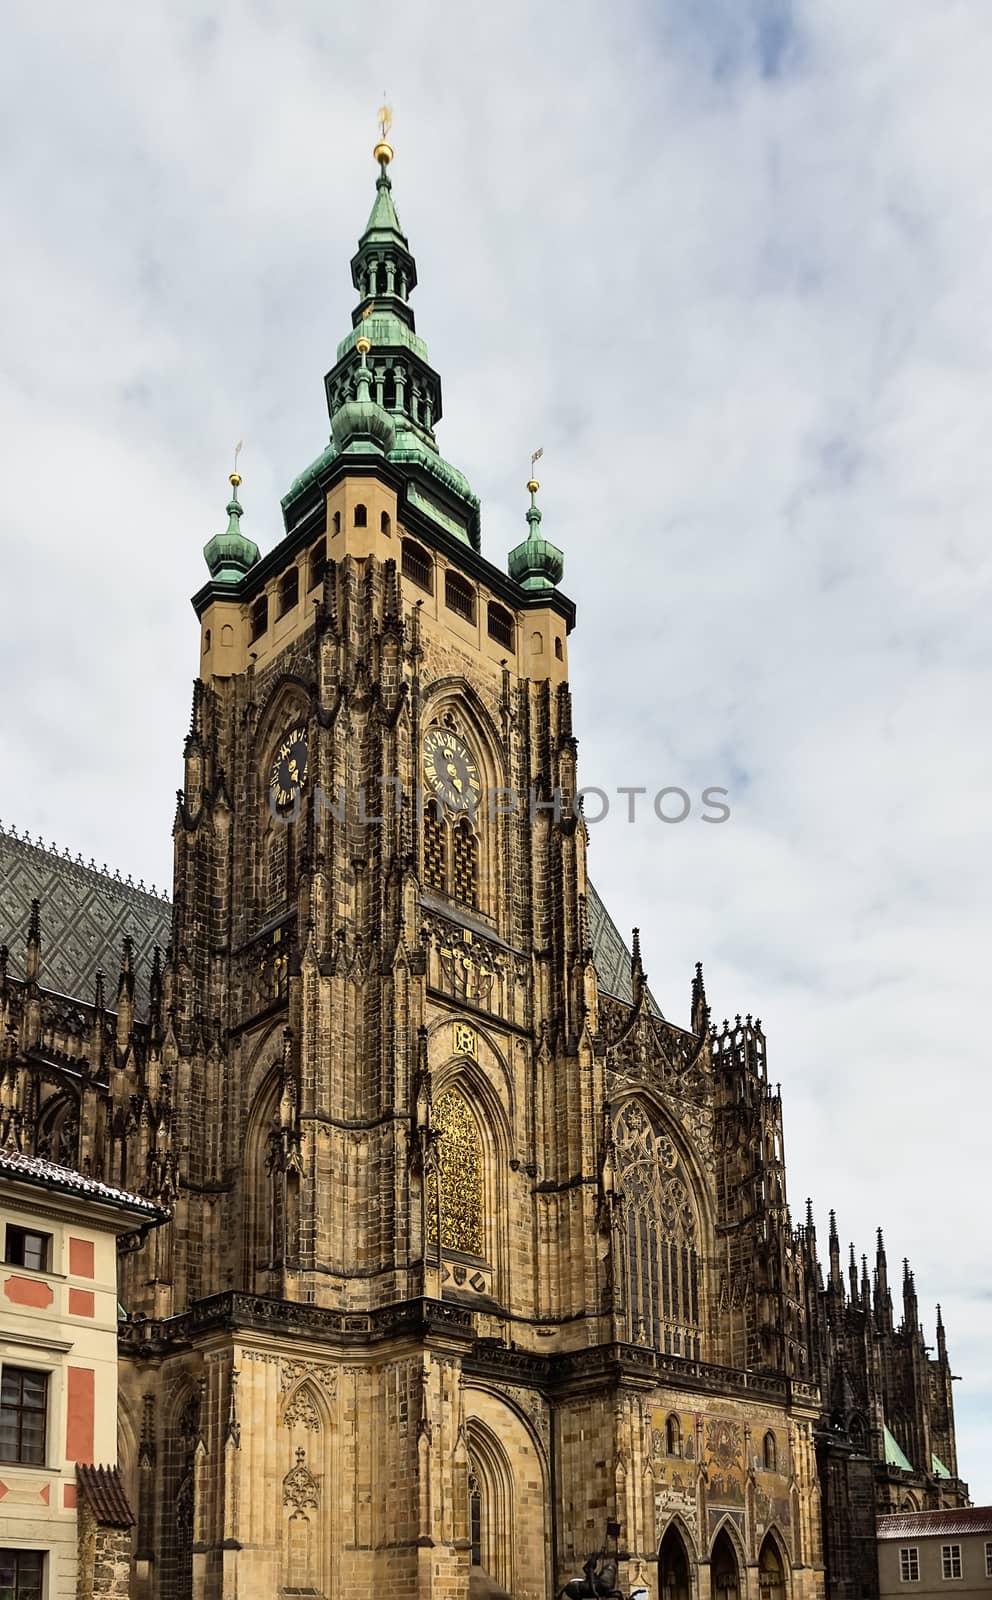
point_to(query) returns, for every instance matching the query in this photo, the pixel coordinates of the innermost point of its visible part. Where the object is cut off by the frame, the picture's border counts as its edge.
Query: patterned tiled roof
(918, 1524)
(34, 1169)
(610, 955)
(86, 911)
(104, 1493)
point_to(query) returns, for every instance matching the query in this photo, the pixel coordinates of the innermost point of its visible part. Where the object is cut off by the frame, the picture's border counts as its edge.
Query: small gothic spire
(836, 1280)
(852, 1275)
(700, 1011)
(32, 964)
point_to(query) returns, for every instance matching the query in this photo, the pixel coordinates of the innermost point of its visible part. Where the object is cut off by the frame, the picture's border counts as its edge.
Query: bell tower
(381, 1009)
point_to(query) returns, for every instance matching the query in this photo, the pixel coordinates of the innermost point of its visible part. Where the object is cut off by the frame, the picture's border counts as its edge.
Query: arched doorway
(771, 1571)
(673, 1567)
(725, 1572)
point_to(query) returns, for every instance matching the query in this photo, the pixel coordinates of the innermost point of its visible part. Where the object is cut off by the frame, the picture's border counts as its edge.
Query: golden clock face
(289, 769)
(451, 770)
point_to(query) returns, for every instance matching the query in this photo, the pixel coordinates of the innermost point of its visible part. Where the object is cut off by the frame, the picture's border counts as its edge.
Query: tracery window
(662, 1256)
(435, 851)
(454, 1184)
(451, 857)
(465, 864)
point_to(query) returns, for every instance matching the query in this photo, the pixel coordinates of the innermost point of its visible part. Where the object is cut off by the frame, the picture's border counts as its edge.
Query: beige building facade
(59, 1233)
(934, 1555)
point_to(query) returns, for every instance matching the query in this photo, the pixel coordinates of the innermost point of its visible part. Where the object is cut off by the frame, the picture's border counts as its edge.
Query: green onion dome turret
(230, 554)
(537, 563)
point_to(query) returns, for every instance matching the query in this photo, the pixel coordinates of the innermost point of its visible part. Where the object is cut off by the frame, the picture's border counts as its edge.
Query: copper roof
(918, 1524)
(105, 1495)
(34, 1169)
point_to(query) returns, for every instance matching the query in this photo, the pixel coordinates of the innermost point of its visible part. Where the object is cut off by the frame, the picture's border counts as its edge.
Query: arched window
(454, 1185)
(459, 596)
(317, 563)
(663, 1245)
(559, 650)
(385, 525)
(206, 640)
(259, 617)
(770, 1453)
(337, 522)
(500, 624)
(475, 1519)
(361, 517)
(856, 1432)
(465, 864)
(673, 1436)
(417, 565)
(289, 590)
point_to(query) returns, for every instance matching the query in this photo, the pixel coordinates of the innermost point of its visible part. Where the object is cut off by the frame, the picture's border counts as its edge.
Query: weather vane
(532, 482)
(385, 117)
(235, 477)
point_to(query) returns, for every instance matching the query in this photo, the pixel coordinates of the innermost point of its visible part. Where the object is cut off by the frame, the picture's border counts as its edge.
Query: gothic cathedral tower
(473, 1252)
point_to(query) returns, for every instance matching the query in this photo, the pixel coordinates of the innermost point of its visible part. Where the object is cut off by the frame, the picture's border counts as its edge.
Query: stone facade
(471, 1254)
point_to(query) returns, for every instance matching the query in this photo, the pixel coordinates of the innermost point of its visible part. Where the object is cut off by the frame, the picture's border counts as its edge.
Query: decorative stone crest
(299, 1487)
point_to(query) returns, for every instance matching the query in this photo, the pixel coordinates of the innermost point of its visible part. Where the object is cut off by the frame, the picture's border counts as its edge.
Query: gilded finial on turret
(234, 479)
(383, 151)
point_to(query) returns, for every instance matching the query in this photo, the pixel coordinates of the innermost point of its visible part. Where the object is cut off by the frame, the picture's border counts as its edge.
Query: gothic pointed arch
(491, 1505)
(466, 1198)
(726, 1563)
(663, 1242)
(675, 1562)
(461, 769)
(261, 1191)
(305, 1419)
(773, 1567)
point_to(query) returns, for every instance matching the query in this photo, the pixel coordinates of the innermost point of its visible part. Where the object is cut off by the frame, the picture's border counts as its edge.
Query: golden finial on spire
(363, 343)
(235, 478)
(383, 151)
(532, 483)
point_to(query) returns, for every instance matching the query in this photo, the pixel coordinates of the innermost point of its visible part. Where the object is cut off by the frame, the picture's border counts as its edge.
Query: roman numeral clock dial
(451, 770)
(289, 769)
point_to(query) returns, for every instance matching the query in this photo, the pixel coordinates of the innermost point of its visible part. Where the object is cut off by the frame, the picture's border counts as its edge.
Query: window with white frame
(950, 1560)
(22, 1574)
(988, 1559)
(23, 1415)
(909, 1564)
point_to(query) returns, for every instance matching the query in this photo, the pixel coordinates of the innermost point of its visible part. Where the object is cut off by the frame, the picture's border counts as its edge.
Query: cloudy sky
(728, 261)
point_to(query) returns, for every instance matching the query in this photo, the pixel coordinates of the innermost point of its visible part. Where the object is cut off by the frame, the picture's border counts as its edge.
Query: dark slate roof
(85, 913)
(34, 1169)
(918, 1524)
(610, 955)
(104, 1493)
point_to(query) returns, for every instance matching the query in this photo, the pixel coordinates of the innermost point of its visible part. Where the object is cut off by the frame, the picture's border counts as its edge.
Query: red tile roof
(918, 1524)
(33, 1169)
(105, 1495)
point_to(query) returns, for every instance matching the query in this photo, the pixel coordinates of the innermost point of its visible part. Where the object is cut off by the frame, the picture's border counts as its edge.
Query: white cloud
(732, 274)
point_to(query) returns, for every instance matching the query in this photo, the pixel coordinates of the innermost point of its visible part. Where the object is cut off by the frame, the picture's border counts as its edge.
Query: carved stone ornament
(299, 1486)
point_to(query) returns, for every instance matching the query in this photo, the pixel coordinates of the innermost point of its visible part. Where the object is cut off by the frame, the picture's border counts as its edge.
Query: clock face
(289, 769)
(451, 770)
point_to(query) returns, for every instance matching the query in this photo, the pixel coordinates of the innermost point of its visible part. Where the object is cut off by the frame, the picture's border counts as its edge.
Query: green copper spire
(536, 564)
(229, 555)
(383, 396)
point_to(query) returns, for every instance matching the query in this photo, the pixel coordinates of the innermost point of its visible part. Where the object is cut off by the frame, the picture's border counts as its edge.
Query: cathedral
(480, 1269)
